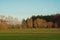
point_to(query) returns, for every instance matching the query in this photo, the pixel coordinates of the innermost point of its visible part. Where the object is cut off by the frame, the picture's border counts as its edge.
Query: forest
(39, 21)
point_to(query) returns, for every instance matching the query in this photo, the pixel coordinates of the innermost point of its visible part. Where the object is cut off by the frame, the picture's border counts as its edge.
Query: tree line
(39, 21)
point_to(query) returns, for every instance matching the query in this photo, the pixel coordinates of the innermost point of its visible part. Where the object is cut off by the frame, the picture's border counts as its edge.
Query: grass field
(30, 34)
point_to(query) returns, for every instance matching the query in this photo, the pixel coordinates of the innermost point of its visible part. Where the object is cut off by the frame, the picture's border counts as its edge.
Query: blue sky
(26, 8)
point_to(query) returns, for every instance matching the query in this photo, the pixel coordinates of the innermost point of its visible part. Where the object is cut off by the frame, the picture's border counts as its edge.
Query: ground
(30, 34)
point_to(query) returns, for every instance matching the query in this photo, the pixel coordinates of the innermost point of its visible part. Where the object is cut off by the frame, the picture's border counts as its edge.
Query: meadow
(30, 34)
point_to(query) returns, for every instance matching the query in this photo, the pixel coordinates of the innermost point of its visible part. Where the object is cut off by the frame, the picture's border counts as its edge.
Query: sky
(23, 9)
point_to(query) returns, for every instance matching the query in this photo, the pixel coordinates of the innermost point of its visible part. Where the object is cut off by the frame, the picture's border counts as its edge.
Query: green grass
(41, 36)
(30, 34)
(43, 30)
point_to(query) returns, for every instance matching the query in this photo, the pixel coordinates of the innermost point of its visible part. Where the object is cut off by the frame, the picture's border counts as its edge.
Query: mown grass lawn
(30, 34)
(41, 36)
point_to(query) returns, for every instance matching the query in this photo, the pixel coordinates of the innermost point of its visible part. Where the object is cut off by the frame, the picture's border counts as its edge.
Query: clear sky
(26, 8)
